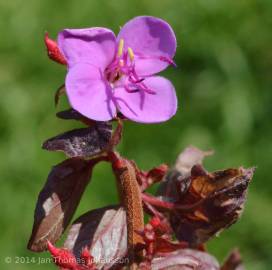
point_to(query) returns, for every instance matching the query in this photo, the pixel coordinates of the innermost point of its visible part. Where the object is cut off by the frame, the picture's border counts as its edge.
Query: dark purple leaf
(220, 198)
(84, 142)
(104, 232)
(233, 261)
(185, 259)
(58, 201)
(70, 114)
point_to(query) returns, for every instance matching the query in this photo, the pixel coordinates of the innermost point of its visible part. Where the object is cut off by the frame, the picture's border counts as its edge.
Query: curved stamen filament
(131, 90)
(160, 58)
(168, 60)
(137, 87)
(146, 89)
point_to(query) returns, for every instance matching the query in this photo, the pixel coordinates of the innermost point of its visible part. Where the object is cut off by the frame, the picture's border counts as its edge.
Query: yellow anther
(120, 47)
(131, 54)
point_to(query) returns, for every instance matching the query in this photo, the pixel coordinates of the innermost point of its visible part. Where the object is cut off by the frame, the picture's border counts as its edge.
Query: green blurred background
(223, 82)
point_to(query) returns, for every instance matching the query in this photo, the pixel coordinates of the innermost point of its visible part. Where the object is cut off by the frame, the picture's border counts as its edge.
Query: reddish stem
(151, 210)
(156, 202)
(117, 135)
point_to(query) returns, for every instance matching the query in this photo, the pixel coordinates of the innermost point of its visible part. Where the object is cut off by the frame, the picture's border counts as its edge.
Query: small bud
(155, 222)
(62, 257)
(53, 50)
(87, 258)
(118, 164)
(149, 236)
(156, 174)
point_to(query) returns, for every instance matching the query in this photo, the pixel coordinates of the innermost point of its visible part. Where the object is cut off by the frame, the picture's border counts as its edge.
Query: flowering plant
(109, 80)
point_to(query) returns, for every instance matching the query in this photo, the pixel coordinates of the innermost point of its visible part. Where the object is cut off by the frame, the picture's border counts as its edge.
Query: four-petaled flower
(107, 74)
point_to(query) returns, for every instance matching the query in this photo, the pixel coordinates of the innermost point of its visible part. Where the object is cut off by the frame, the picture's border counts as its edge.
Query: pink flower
(108, 74)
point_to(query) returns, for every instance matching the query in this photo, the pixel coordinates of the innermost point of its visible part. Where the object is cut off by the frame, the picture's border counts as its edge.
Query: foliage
(225, 103)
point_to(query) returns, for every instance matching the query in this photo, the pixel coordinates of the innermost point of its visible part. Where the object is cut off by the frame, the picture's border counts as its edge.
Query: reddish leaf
(84, 142)
(219, 198)
(58, 201)
(176, 182)
(104, 232)
(185, 259)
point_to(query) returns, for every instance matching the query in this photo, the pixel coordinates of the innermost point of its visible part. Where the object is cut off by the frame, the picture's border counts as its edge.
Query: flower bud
(62, 257)
(53, 50)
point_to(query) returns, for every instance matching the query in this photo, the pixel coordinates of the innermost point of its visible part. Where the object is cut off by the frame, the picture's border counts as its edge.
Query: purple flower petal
(95, 46)
(88, 93)
(153, 42)
(148, 108)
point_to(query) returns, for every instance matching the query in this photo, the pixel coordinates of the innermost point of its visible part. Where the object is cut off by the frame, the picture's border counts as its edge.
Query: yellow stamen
(131, 54)
(120, 47)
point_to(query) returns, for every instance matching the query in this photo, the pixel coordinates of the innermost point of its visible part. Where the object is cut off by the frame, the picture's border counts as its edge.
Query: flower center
(123, 67)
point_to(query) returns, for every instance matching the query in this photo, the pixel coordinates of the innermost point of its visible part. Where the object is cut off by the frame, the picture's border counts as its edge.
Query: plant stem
(156, 202)
(130, 195)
